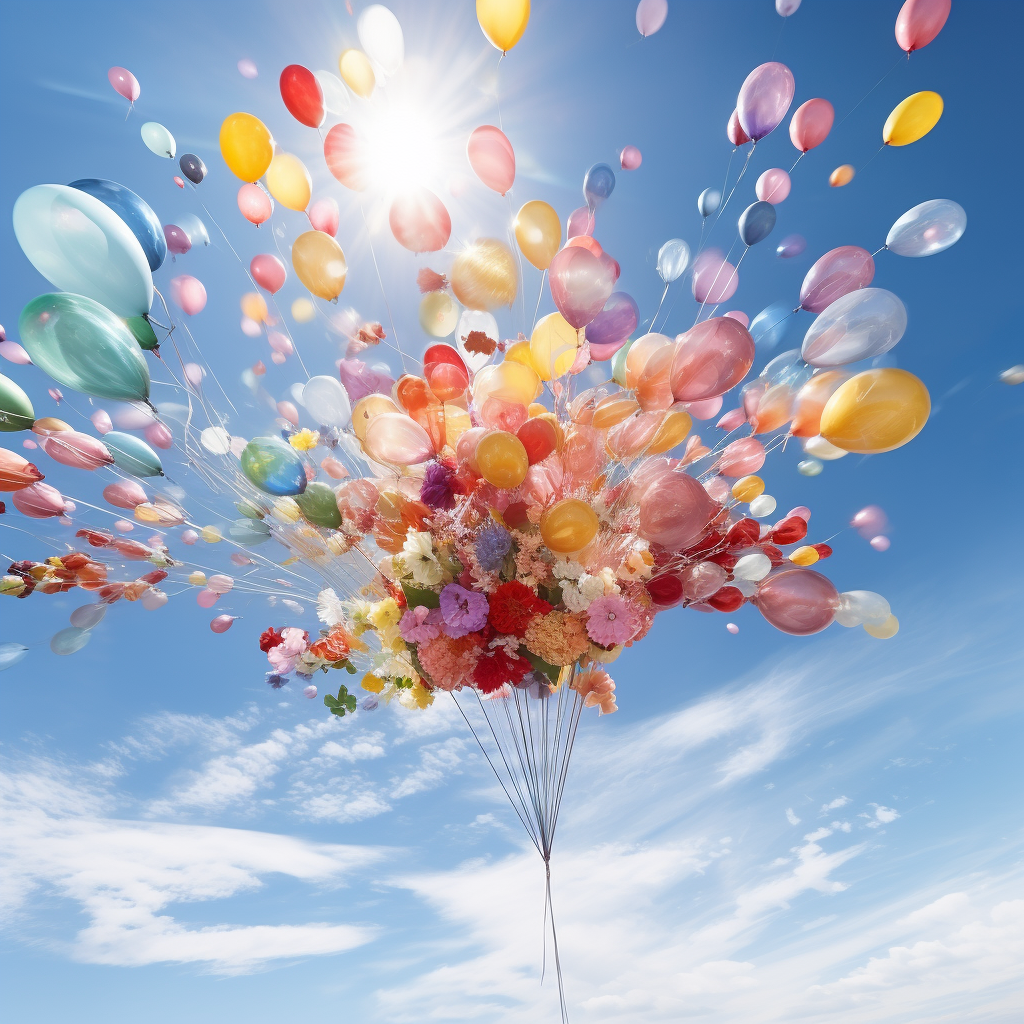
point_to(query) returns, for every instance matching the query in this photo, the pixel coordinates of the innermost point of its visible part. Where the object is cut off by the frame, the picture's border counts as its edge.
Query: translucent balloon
(737, 136)
(324, 216)
(189, 293)
(569, 525)
(711, 358)
(194, 228)
(837, 273)
(69, 640)
(810, 402)
(11, 654)
(809, 467)
(124, 494)
(319, 264)
(398, 440)
(919, 22)
(132, 454)
(177, 240)
(492, 158)
(752, 567)
(764, 99)
(811, 124)
(876, 411)
(254, 204)
(419, 221)
(222, 623)
(503, 21)
(16, 412)
(598, 185)
(912, 119)
(860, 325)
(769, 327)
(357, 72)
(380, 36)
(553, 346)
(580, 222)
(88, 615)
(798, 601)
(142, 221)
(786, 7)
(346, 157)
(756, 222)
(502, 459)
(714, 278)
(336, 97)
(673, 259)
(289, 182)
(650, 16)
(538, 232)
(608, 331)
(928, 228)
(81, 245)
(773, 186)
(326, 401)
(509, 382)
(674, 510)
(1013, 375)
(274, 466)
(886, 631)
(246, 146)
(158, 139)
(741, 457)
(483, 276)
(708, 202)
(790, 246)
(302, 95)
(192, 167)
(857, 607)
(439, 314)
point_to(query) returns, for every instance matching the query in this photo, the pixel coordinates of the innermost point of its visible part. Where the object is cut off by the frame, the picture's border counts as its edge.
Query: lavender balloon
(837, 273)
(790, 246)
(764, 99)
(610, 329)
(178, 241)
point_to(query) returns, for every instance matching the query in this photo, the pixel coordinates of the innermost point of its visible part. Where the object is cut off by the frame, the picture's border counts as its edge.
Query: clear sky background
(771, 828)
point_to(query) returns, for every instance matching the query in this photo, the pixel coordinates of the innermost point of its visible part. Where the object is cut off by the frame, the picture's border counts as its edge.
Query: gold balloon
(502, 459)
(439, 315)
(804, 555)
(246, 146)
(254, 306)
(674, 427)
(519, 352)
(503, 21)
(367, 409)
(553, 346)
(484, 275)
(876, 411)
(612, 410)
(289, 182)
(538, 232)
(50, 425)
(912, 119)
(319, 264)
(886, 631)
(747, 488)
(508, 382)
(357, 72)
(303, 311)
(569, 525)
(456, 423)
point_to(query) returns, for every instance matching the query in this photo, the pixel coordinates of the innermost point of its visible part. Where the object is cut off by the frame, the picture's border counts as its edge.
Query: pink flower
(420, 624)
(611, 620)
(284, 657)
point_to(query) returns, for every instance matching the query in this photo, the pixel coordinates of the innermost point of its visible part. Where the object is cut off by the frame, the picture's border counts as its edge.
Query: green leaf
(553, 595)
(551, 671)
(417, 597)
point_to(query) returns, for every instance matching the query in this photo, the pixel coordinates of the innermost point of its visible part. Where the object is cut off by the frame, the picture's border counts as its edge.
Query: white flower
(567, 569)
(639, 563)
(591, 587)
(572, 598)
(329, 608)
(418, 556)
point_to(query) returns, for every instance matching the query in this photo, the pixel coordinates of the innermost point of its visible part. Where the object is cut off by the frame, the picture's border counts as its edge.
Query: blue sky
(772, 827)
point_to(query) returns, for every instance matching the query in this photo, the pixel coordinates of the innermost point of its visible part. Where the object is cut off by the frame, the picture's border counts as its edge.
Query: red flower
(495, 667)
(269, 639)
(513, 606)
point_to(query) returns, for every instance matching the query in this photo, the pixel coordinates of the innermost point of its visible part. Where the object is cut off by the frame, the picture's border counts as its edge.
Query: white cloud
(840, 801)
(437, 762)
(791, 817)
(885, 814)
(362, 748)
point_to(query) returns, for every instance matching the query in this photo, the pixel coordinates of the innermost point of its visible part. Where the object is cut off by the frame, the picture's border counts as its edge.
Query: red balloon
(419, 221)
(445, 372)
(710, 359)
(839, 272)
(824, 551)
(728, 599)
(492, 158)
(580, 284)
(798, 601)
(665, 591)
(538, 438)
(302, 95)
(345, 154)
(743, 534)
(674, 510)
(919, 22)
(789, 531)
(811, 124)
(737, 136)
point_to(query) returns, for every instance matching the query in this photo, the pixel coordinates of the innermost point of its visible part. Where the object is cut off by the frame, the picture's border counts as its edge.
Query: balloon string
(899, 60)
(540, 295)
(797, 160)
(654, 319)
(725, 263)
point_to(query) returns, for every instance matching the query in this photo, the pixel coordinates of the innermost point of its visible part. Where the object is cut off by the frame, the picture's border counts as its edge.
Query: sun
(403, 147)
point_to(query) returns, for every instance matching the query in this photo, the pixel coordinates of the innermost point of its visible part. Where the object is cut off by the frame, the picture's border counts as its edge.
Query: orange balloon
(502, 459)
(569, 525)
(811, 399)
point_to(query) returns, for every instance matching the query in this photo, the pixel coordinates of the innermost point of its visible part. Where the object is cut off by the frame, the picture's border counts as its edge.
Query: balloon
(790, 246)
(860, 325)
(502, 459)
(809, 467)
(539, 438)
(222, 623)
(16, 472)
(598, 185)
(764, 99)
(380, 36)
(857, 607)
(16, 412)
(80, 451)
(319, 264)
(246, 146)
(773, 186)
(492, 158)
(336, 98)
(483, 275)
(319, 506)
(608, 331)
(476, 337)
(708, 201)
(580, 222)
(630, 158)
(580, 284)
(88, 615)
(647, 371)
(714, 279)
(503, 21)
(919, 22)
(192, 167)
(837, 273)
(711, 358)
(538, 232)
(158, 139)
(80, 245)
(737, 136)
(189, 293)
(438, 314)
(927, 229)
(178, 242)
(419, 221)
(125, 83)
(255, 205)
(135, 212)
(885, 631)
(132, 454)
(756, 222)
(673, 258)
(674, 510)
(912, 119)
(326, 401)
(69, 640)
(811, 124)
(880, 543)
(798, 601)
(49, 425)
(11, 654)
(841, 176)
(876, 411)
(324, 216)
(194, 228)
(650, 16)
(822, 449)
(569, 525)
(769, 327)
(302, 95)
(396, 439)
(289, 182)
(445, 372)
(810, 402)
(268, 272)
(83, 346)
(752, 567)
(509, 382)
(787, 7)
(124, 494)
(274, 466)
(345, 154)
(39, 501)
(13, 352)
(357, 72)
(1014, 375)
(747, 488)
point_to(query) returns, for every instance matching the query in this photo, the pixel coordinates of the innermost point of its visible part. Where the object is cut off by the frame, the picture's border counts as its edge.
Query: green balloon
(249, 510)
(83, 346)
(619, 363)
(132, 454)
(249, 532)
(16, 412)
(142, 332)
(319, 506)
(274, 466)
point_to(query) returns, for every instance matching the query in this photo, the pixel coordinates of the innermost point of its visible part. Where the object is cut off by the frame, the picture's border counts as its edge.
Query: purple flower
(437, 487)
(464, 611)
(492, 545)
(420, 624)
(275, 680)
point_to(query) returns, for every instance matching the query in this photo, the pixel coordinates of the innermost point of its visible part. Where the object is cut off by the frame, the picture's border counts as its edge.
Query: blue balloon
(769, 327)
(134, 211)
(132, 454)
(708, 201)
(598, 185)
(274, 466)
(756, 222)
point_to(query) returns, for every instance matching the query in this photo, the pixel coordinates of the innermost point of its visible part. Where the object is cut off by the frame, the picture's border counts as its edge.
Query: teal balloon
(319, 506)
(69, 640)
(83, 346)
(80, 245)
(249, 532)
(132, 454)
(249, 510)
(619, 363)
(142, 331)
(11, 654)
(16, 412)
(274, 466)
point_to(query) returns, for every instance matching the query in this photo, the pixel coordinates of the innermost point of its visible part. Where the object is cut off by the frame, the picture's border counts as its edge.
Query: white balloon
(11, 654)
(473, 320)
(859, 606)
(819, 448)
(327, 401)
(865, 323)
(1014, 375)
(380, 36)
(88, 615)
(809, 467)
(152, 599)
(216, 440)
(336, 98)
(158, 139)
(763, 505)
(752, 567)
(673, 259)
(927, 229)
(786, 7)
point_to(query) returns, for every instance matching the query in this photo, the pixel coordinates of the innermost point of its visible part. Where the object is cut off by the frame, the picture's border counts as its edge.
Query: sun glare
(402, 147)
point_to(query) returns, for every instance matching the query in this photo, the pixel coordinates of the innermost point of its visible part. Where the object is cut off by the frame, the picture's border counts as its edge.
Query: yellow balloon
(484, 275)
(516, 353)
(246, 146)
(503, 21)
(876, 411)
(254, 306)
(369, 408)
(357, 72)
(439, 315)
(508, 382)
(612, 410)
(553, 346)
(885, 631)
(747, 488)
(804, 555)
(303, 311)
(319, 264)
(912, 119)
(535, 409)
(456, 423)
(674, 427)
(502, 459)
(289, 182)
(569, 525)
(538, 232)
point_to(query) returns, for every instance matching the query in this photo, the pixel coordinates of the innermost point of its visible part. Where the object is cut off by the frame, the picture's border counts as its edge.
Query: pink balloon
(188, 294)
(394, 438)
(101, 421)
(870, 521)
(674, 510)
(268, 272)
(706, 409)
(127, 85)
(714, 279)
(324, 216)
(288, 411)
(580, 222)
(419, 221)
(811, 124)
(880, 543)
(919, 22)
(256, 206)
(78, 450)
(738, 314)
(207, 598)
(280, 343)
(836, 274)
(650, 16)
(178, 242)
(737, 136)
(711, 358)
(492, 158)
(742, 457)
(630, 158)
(152, 599)
(189, 537)
(14, 353)
(801, 512)
(702, 580)
(124, 494)
(798, 601)
(764, 99)
(345, 154)
(773, 186)
(222, 623)
(159, 435)
(220, 584)
(250, 328)
(194, 374)
(732, 627)
(39, 501)
(180, 182)
(581, 283)
(123, 526)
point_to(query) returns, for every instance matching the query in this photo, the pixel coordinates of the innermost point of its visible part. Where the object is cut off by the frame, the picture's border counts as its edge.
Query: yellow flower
(416, 697)
(385, 614)
(372, 683)
(305, 439)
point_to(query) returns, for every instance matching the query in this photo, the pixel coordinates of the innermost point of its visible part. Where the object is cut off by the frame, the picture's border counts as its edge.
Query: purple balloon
(177, 241)
(611, 328)
(581, 222)
(360, 380)
(580, 284)
(650, 16)
(836, 274)
(764, 99)
(790, 246)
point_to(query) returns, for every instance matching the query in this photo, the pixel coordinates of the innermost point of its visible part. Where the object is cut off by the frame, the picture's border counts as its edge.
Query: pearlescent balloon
(764, 99)
(798, 601)
(158, 139)
(927, 229)
(835, 274)
(396, 439)
(711, 358)
(610, 329)
(673, 259)
(11, 654)
(132, 454)
(708, 201)
(274, 466)
(69, 640)
(861, 325)
(326, 401)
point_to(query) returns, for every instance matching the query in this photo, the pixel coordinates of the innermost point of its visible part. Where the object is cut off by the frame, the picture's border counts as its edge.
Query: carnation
(559, 638)
(420, 624)
(464, 611)
(496, 666)
(448, 661)
(514, 606)
(438, 490)
(269, 639)
(611, 620)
